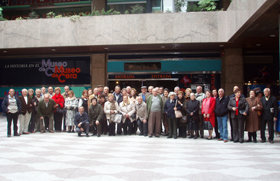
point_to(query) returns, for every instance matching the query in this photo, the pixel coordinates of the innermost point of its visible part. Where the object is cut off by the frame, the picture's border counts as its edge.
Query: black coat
(192, 106)
(242, 106)
(221, 106)
(271, 103)
(169, 108)
(81, 118)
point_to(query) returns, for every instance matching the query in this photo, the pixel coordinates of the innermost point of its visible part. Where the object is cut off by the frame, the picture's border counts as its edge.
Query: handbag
(118, 118)
(178, 114)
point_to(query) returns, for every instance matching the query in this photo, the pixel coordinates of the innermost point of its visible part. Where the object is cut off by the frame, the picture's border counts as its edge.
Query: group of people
(154, 112)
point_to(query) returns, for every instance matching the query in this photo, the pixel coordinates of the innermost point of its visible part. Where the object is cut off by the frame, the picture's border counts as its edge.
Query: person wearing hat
(143, 93)
(169, 108)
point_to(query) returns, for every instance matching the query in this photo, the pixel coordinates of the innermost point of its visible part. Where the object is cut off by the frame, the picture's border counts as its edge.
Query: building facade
(237, 46)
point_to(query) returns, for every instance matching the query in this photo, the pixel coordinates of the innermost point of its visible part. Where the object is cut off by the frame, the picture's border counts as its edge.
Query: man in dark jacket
(46, 109)
(95, 114)
(11, 107)
(221, 111)
(270, 113)
(25, 111)
(81, 121)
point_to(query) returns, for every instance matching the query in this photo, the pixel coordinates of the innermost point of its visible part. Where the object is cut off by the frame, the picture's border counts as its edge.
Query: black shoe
(16, 135)
(98, 135)
(8, 135)
(249, 141)
(255, 141)
(195, 137)
(201, 136)
(192, 136)
(79, 134)
(175, 137)
(235, 141)
(241, 141)
(263, 141)
(231, 139)
(150, 136)
(87, 135)
(169, 137)
(271, 141)
(145, 135)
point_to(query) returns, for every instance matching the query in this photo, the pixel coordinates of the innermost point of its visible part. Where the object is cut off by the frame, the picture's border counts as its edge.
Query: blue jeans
(222, 125)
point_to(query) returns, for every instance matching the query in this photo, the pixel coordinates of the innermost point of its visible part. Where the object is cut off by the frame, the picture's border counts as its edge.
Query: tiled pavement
(64, 156)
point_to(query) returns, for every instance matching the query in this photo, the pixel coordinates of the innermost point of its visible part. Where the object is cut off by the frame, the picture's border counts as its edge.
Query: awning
(114, 2)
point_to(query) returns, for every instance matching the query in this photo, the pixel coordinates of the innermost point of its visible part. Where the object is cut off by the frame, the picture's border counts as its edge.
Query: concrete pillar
(98, 69)
(232, 73)
(98, 4)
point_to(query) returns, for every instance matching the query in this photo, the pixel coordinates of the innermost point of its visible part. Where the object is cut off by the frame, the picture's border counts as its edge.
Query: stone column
(232, 72)
(98, 69)
(98, 5)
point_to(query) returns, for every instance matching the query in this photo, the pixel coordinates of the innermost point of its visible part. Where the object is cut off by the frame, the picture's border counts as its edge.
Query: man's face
(12, 92)
(81, 110)
(117, 90)
(106, 90)
(266, 93)
(66, 89)
(50, 90)
(143, 90)
(95, 91)
(198, 90)
(221, 93)
(139, 100)
(46, 99)
(161, 90)
(24, 93)
(154, 92)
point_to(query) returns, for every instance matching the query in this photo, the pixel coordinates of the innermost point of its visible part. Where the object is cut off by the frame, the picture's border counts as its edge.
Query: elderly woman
(111, 109)
(164, 117)
(33, 113)
(169, 108)
(192, 110)
(238, 107)
(208, 113)
(182, 123)
(58, 114)
(71, 105)
(252, 121)
(127, 108)
(83, 101)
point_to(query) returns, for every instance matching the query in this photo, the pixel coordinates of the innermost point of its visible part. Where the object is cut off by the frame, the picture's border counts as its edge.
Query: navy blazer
(5, 104)
(169, 108)
(81, 118)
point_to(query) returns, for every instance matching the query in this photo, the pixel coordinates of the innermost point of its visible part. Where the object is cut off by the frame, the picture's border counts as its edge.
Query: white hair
(266, 89)
(38, 90)
(222, 90)
(24, 90)
(47, 95)
(192, 94)
(151, 87)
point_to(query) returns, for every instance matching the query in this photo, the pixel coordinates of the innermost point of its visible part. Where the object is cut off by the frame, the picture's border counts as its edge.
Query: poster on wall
(45, 71)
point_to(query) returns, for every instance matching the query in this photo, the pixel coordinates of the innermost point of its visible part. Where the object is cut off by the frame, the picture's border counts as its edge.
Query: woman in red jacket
(208, 112)
(58, 114)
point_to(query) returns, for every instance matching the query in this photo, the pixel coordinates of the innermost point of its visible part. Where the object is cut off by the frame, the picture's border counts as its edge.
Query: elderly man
(143, 93)
(50, 91)
(66, 91)
(38, 98)
(46, 109)
(150, 90)
(142, 116)
(221, 112)
(199, 97)
(25, 112)
(11, 107)
(95, 115)
(117, 94)
(269, 116)
(106, 92)
(43, 91)
(81, 122)
(176, 90)
(155, 109)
